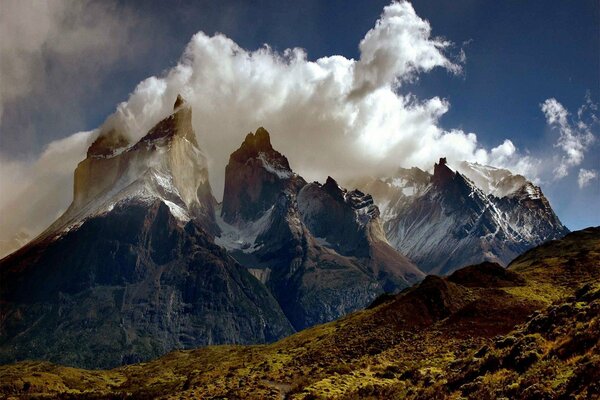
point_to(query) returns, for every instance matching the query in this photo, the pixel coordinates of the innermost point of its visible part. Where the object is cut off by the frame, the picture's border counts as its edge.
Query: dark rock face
(312, 282)
(442, 175)
(338, 216)
(129, 286)
(319, 248)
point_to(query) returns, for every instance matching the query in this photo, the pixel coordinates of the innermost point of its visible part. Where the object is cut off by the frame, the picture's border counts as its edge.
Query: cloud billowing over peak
(332, 116)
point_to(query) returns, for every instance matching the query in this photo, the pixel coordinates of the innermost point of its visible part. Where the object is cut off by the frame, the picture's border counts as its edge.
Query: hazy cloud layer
(54, 54)
(35, 194)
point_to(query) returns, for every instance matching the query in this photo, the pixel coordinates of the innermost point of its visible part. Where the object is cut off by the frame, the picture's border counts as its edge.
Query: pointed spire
(178, 102)
(441, 173)
(177, 124)
(332, 187)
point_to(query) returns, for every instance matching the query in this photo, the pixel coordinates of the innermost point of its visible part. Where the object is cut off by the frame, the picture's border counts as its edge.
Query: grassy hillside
(484, 332)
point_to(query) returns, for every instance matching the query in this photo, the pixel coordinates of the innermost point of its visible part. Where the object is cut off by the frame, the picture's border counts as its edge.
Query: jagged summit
(178, 102)
(442, 174)
(254, 177)
(331, 186)
(177, 124)
(111, 141)
(256, 143)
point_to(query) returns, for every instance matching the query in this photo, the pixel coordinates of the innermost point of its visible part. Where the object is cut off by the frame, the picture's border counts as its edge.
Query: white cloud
(333, 116)
(305, 104)
(398, 48)
(586, 176)
(575, 137)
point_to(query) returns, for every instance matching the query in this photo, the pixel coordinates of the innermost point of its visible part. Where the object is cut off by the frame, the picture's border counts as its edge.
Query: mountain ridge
(131, 271)
(160, 265)
(444, 220)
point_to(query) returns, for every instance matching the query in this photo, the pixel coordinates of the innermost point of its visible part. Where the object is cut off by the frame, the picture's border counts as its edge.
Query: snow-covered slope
(449, 219)
(166, 164)
(498, 182)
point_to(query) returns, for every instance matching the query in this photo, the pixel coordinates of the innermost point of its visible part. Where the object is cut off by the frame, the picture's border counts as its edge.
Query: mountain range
(145, 260)
(452, 218)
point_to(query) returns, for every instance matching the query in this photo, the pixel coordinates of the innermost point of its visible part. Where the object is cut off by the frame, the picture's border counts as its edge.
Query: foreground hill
(529, 331)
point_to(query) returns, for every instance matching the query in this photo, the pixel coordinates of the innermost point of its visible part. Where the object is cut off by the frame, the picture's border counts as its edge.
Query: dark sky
(518, 54)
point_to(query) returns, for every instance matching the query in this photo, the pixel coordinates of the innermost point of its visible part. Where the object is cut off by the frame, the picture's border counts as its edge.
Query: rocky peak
(178, 124)
(331, 186)
(341, 217)
(178, 102)
(166, 164)
(259, 143)
(111, 141)
(255, 175)
(355, 199)
(442, 174)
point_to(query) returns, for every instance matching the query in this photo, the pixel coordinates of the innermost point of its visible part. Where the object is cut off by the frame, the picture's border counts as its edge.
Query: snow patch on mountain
(464, 215)
(241, 237)
(280, 172)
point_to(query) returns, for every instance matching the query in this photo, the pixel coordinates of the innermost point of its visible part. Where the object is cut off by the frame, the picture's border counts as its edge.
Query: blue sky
(518, 55)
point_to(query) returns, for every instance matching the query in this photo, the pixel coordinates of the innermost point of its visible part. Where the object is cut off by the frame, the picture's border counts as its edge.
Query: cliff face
(126, 287)
(319, 248)
(166, 163)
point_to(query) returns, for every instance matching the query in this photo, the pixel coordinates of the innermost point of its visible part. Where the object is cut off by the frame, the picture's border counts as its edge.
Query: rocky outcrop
(345, 220)
(254, 177)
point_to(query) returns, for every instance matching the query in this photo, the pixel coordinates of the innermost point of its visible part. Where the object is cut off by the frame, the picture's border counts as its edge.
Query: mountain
(320, 249)
(165, 164)
(448, 219)
(483, 332)
(131, 271)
